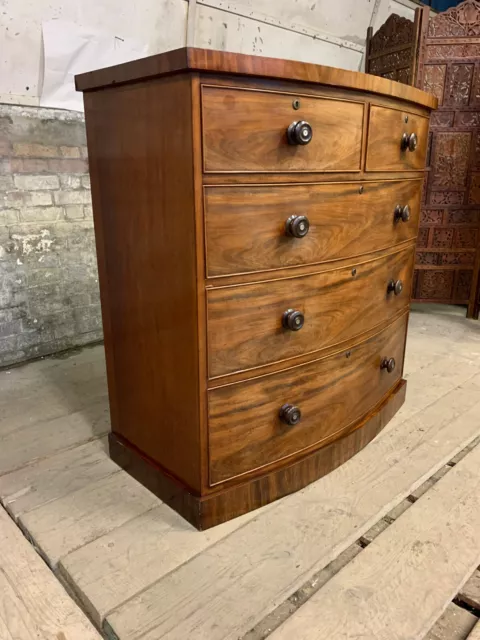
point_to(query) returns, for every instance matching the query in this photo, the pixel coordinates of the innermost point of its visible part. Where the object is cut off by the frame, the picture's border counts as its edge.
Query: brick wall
(49, 297)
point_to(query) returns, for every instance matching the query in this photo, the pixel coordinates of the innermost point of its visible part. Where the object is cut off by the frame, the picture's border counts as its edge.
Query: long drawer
(245, 130)
(252, 228)
(253, 424)
(254, 324)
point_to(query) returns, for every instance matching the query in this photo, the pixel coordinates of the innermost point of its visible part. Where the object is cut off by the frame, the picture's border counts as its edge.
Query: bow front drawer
(255, 423)
(397, 140)
(258, 228)
(255, 324)
(258, 131)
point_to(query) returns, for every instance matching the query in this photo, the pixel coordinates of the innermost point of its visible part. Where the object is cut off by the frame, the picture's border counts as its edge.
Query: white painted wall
(330, 32)
(159, 23)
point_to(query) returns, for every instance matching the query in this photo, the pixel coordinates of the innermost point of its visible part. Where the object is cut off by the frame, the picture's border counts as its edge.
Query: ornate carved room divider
(392, 52)
(448, 65)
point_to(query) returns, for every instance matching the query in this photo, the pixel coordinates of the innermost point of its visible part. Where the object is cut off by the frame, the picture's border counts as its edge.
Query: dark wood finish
(385, 131)
(222, 62)
(246, 130)
(237, 499)
(245, 322)
(145, 223)
(245, 226)
(331, 394)
(392, 52)
(179, 264)
(448, 252)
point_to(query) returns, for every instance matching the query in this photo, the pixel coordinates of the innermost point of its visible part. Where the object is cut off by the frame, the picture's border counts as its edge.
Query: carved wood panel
(448, 257)
(392, 51)
(447, 65)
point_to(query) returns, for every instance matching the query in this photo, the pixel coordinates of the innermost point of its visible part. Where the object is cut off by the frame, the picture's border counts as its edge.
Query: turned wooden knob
(293, 320)
(299, 133)
(290, 414)
(395, 286)
(388, 364)
(402, 213)
(297, 226)
(409, 141)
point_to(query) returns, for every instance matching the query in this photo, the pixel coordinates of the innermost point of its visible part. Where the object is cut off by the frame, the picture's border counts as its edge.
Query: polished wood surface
(331, 394)
(245, 322)
(245, 225)
(238, 498)
(386, 127)
(223, 62)
(246, 130)
(143, 213)
(193, 179)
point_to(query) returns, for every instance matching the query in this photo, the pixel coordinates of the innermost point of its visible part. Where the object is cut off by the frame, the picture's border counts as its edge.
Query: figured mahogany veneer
(255, 223)
(233, 142)
(245, 226)
(386, 128)
(244, 322)
(331, 394)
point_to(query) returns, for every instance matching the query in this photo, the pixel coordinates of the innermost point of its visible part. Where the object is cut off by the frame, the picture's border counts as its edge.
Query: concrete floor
(350, 556)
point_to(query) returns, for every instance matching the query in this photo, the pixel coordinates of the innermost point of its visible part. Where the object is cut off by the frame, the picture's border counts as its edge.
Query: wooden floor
(380, 549)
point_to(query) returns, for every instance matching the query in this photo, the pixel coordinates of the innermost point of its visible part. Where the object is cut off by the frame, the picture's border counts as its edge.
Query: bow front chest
(256, 223)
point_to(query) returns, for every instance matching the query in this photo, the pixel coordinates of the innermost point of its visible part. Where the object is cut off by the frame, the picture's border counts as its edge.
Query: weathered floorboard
(120, 564)
(72, 521)
(227, 589)
(454, 624)
(33, 604)
(423, 557)
(36, 484)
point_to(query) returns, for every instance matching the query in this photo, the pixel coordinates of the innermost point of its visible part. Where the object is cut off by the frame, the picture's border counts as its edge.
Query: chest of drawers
(256, 223)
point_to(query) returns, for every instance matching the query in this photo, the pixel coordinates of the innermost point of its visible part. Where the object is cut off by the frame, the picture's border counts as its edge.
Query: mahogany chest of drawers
(256, 223)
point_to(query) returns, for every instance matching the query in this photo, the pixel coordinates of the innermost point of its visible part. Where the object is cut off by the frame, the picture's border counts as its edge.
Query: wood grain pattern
(235, 500)
(33, 604)
(56, 476)
(70, 521)
(245, 321)
(245, 430)
(237, 64)
(165, 238)
(246, 130)
(386, 127)
(143, 201)
(454, 624)
(438, 536)
(245, 225)
(216, 595)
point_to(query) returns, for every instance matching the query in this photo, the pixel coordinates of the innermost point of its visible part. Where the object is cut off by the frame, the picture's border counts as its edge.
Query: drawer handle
(388, 364)
(395, 286)
(293, 320)
(299, 132)
(402, 213)
(409, 142)
(290, 414)
(297, 226)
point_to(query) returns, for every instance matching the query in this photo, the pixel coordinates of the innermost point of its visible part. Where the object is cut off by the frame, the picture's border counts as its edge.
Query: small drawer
(247, 131)
(397, 140)
(248, 428)
(256, 324)
(252, 228)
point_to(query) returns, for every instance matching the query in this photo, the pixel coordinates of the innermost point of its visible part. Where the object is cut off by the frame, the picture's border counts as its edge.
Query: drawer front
(246, 322)
(245, 428)
(249, 228)
(246, 130)
(384, 145)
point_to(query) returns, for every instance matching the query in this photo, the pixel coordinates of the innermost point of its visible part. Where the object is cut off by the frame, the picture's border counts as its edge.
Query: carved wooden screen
(448, 249)
(392, 51)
